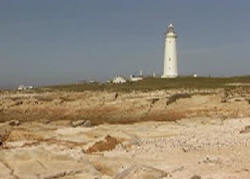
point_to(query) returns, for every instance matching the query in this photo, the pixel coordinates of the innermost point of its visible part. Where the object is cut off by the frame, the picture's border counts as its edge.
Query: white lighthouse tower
(170, 54)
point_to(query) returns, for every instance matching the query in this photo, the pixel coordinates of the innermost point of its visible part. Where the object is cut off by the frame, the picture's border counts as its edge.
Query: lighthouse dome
(170, 28)
(170, 31)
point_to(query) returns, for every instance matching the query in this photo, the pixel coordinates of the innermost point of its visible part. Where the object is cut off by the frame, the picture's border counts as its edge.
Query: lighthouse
(170, 54)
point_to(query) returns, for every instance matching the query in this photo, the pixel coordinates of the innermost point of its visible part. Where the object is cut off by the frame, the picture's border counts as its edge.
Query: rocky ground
(118, 107)
(161, 134)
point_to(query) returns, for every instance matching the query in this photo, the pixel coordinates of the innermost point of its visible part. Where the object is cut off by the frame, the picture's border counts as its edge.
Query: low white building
(119, 80)
(135, 78)
(92, 81)
(23, 87)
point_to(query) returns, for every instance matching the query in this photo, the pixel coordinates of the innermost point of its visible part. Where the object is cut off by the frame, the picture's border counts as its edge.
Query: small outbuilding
(119, 80)
(135, 78)
(23, 87)
(195, 75)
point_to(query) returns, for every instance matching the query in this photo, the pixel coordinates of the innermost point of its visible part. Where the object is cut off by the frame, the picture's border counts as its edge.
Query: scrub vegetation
(151, 84)
(113, 103)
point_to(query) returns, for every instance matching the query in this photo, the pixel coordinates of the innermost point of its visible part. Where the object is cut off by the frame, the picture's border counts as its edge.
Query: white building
(118, 80)
(195, 75)
(170, 54)
(135, 78)
(22, 87)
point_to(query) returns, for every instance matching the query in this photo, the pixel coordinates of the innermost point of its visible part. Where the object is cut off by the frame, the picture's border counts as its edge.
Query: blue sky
(62, 41)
